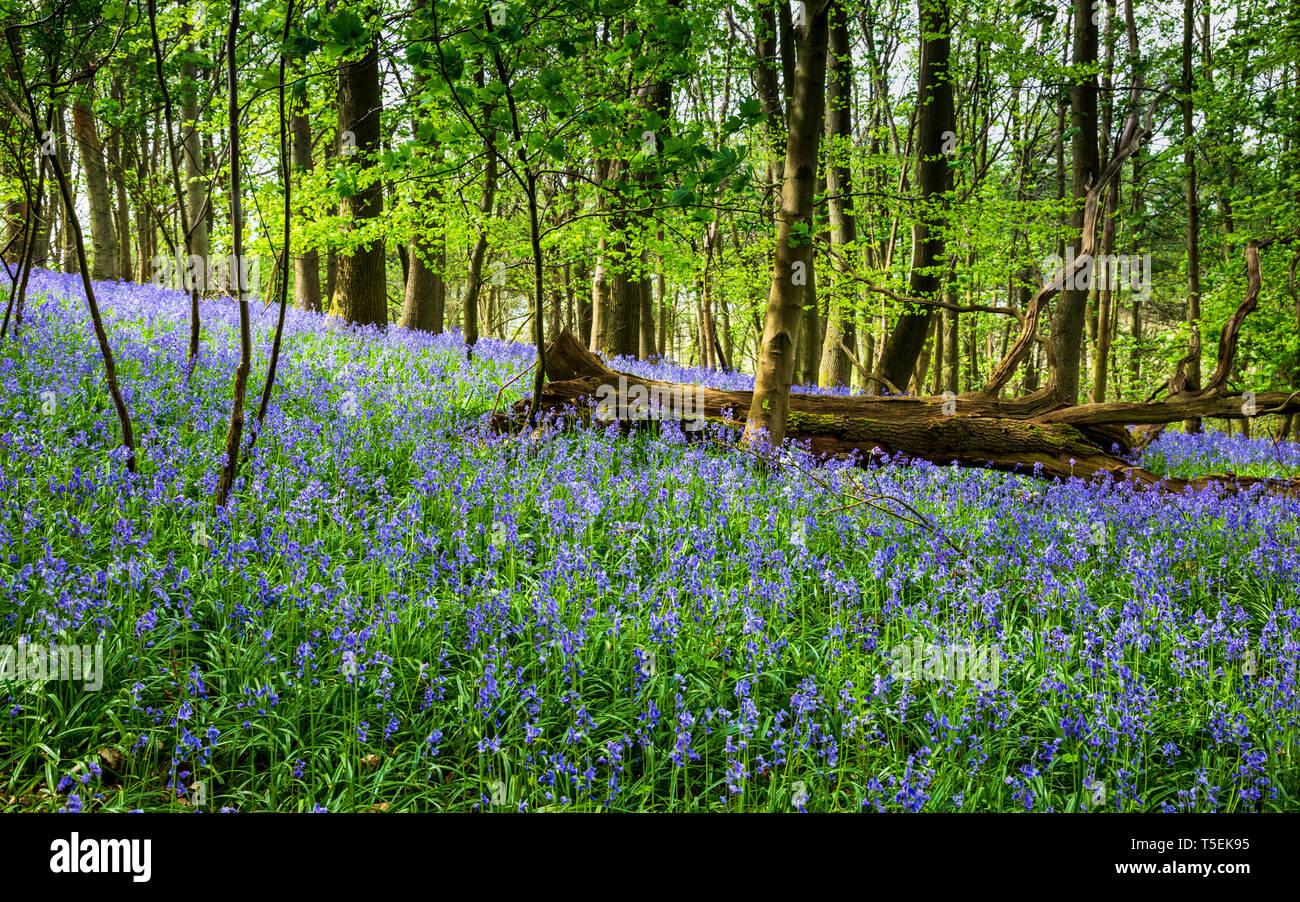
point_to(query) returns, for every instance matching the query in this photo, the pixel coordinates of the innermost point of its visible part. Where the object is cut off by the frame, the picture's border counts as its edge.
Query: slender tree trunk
(68, 239)
(1192, 208)
(1104, 283)
(1071, 307)
(1105, 298)
(770, 406)
(936, 124)
(834, 367)
(570, 317)
(425, 300)
(116, 154)
(656, 96)
(286, 180)
(234, 434)
(1135, 311)
(196, 188)
(16, 211)
(306, 263)
(144, 225)
(951, 345)
(809, 347)
(647, 346)
(662, 319)
(600, 297)
(189, 218)
(474, 279)
(582, 278)
(331, 253)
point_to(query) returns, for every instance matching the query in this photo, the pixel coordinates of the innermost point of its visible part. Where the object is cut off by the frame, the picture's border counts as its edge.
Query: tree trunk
(67, 230)
(793, 259)
(834, 367)
(767, 82)
(1071, 308)
(17, 212)
(235, 431)
(624, 302)
(600, 297)
(196, 189)
(1135, 311)
(1106, 285)
(116, 152)
(656, 96)
(1191, 206)
(425, 299)
(647, 345)
(306, 263)
(362, 280)
(936, 123)
(474, 279)
(809, 348)
(73, 225)
(103, 233)
(1105, 298)
(662, 319)
(144, 225)
(581, 278)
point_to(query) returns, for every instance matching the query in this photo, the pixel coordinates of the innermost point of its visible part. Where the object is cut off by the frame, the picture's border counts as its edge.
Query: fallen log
(1034, 435)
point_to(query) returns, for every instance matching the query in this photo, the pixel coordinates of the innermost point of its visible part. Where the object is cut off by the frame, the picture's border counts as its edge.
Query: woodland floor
(404, 610)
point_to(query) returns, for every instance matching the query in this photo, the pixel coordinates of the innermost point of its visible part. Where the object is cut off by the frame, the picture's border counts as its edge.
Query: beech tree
(361, 290)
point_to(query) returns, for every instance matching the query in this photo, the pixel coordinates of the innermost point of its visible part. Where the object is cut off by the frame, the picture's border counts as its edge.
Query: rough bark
(623, 304)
